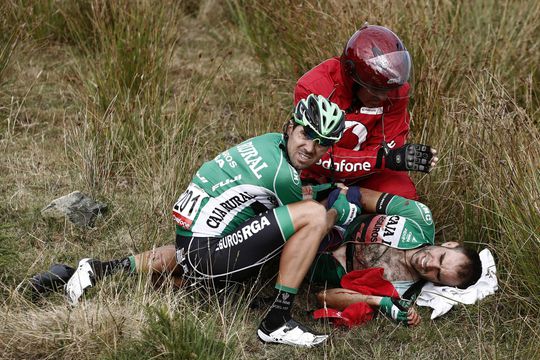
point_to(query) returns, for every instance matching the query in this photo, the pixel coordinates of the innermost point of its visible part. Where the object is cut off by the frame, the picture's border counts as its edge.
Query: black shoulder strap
(414, 290)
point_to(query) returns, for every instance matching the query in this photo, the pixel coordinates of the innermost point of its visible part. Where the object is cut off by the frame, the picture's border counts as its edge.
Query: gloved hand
(415, 157)
(354, 196)
(396, 309)
(346, 212)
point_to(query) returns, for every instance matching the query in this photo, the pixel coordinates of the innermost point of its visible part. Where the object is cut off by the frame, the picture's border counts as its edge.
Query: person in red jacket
(369, 82)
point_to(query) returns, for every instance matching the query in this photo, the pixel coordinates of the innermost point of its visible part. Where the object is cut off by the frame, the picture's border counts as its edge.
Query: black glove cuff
(380, 157)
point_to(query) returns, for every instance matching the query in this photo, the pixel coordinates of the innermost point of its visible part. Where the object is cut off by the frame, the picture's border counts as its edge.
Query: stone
(80, 209)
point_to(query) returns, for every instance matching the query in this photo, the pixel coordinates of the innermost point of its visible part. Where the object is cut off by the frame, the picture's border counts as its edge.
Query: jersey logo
(386, 230)
(243, 234)
(294, 174)
(219, 212)
(227, 182)
(426, 213)
(371, 111)
(390, 228)
(345, 166)
(359, 130)
(251, 157)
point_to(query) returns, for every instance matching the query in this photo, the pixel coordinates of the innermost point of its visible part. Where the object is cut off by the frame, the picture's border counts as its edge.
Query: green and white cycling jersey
(236, 185)
(399, 223)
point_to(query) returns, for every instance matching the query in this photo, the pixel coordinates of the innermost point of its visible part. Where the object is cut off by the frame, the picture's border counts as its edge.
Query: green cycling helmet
(323, 121)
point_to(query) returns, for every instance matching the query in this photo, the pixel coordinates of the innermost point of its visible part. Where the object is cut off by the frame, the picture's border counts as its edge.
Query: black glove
(415, 157)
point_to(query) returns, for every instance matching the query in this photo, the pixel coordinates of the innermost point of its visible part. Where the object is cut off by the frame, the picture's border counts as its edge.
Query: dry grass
(125, 99)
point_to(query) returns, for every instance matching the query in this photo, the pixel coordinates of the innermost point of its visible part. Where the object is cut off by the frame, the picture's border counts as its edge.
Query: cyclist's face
(371, 98)
(439, 264)
(303, 152)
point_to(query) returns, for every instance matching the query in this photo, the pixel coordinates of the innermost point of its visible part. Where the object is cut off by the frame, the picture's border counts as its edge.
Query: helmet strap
(332, 167)
(283, 145)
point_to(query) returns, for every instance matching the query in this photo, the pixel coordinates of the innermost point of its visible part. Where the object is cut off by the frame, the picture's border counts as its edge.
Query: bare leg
(160, 262)
(161, 259)
(311, 223)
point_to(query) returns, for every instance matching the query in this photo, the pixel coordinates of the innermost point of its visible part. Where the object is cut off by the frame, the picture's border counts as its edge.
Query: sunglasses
(313, 135)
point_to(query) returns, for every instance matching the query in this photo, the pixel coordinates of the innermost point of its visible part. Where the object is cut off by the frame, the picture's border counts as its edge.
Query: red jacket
(355, 154)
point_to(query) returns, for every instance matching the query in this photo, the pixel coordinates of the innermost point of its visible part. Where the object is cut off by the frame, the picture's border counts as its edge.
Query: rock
(77, 207)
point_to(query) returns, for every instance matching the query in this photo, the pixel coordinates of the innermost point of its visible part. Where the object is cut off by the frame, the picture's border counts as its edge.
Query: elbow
(321, 297)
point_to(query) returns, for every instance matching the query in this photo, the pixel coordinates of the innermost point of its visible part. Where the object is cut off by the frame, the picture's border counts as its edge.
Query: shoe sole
(75, 286)
(264, 338)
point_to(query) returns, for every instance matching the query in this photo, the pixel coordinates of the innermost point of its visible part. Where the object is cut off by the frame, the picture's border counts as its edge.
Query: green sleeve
(418, 216)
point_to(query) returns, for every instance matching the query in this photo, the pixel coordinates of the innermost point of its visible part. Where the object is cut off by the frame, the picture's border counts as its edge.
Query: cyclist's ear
(290, 128)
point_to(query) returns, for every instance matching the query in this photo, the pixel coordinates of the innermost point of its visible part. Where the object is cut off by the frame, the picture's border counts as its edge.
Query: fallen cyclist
(397, 235)
(242, 209)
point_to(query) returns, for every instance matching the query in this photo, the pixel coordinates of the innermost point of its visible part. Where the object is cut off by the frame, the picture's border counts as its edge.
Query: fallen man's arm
(398, 310)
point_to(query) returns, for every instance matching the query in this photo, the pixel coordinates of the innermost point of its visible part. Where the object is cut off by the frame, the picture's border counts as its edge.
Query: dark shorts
(236, 256)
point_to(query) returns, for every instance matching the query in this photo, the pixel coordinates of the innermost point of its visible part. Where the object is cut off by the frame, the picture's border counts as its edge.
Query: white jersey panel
(218, 212)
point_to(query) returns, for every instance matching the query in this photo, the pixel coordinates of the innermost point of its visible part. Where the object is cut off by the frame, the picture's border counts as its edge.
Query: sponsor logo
(359, 130)
(371, 111)
(295, 177)
(225, 155)
(381, 203)
(220, 211)
(352, 214)
(390, 228)
(426, 213)
(374, 234)
(242, 234)
(252, 158)
(226, 182)
(345, 166)
(181, 220)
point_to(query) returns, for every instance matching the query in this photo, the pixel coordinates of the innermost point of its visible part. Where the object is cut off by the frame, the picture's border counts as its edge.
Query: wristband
(346, 212)
(396, 309)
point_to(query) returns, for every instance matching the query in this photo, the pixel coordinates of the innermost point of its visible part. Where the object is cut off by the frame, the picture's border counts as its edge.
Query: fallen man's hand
(397, 309)
(413, 317)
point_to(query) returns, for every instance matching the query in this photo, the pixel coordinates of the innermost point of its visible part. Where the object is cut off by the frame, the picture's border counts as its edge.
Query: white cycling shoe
(82, 279)
(291, 333)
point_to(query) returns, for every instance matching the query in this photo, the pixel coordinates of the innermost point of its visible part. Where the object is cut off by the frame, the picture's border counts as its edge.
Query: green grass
(125, 99)
(177, 335)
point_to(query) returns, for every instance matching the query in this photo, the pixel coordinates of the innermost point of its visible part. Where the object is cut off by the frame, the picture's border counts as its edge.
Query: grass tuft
(178, 335)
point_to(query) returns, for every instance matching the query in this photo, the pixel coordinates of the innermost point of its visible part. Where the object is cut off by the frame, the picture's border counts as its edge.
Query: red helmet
(375, 57)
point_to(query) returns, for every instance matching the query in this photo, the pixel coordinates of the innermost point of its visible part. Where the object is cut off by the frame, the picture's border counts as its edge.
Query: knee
(314, 211)
(315, 214)
(308, 213)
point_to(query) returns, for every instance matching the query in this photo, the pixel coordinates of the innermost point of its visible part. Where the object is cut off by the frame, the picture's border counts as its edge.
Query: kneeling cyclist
(243, 208)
